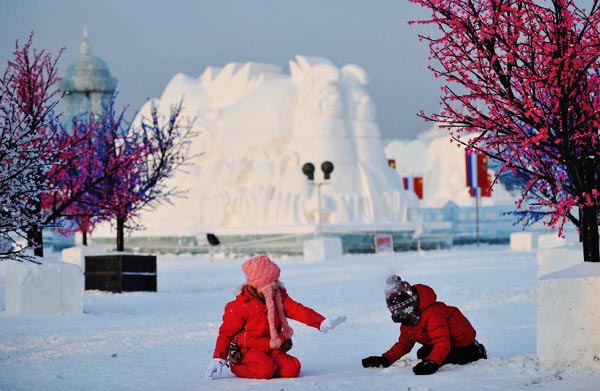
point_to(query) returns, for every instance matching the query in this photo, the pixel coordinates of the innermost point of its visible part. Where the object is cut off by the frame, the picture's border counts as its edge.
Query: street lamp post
(309, 170)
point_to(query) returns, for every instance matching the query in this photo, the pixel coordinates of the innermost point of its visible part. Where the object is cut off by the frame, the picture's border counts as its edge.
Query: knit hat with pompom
(402, 300)
(262, 274)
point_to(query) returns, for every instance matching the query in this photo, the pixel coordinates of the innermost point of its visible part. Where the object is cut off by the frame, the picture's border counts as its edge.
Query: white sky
(146, 42)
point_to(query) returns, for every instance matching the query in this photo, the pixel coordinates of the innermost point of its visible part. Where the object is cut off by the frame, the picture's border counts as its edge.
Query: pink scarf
(274, 303)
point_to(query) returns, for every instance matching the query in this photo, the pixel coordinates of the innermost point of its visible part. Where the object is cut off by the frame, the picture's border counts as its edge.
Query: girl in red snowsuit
(254, 337)
(446, 334)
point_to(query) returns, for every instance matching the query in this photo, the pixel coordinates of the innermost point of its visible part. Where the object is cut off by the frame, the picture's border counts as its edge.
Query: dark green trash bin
(120, 273)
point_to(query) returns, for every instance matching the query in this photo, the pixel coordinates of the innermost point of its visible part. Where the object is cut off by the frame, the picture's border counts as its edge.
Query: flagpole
(477, 198)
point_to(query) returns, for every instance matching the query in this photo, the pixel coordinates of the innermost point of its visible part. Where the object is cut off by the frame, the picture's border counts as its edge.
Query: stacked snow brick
(49, 288)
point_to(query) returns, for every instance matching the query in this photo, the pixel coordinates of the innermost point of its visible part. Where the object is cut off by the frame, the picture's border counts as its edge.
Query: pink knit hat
(262, 274)
(260, 271)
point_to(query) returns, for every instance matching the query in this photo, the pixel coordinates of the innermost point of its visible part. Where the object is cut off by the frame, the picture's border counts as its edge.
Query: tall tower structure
(88, 83)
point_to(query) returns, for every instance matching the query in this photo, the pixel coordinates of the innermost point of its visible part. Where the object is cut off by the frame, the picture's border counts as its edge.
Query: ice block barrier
(51, 288)
(568, 316)
(523, 241)
(322, 248)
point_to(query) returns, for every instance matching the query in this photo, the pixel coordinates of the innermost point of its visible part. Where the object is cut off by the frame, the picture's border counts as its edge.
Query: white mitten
(215, 368)
(329, 324)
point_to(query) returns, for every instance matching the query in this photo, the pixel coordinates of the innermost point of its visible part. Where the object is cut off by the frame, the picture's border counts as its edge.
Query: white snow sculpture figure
(359, 103)
(258, 126)
(320, 131)
(380, 182)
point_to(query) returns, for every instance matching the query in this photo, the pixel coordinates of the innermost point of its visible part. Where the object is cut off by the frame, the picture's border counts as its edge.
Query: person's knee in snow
(445, 333)
(287, 366)
(264, 370)
(255, 365)
(289, 371)
(466, 354)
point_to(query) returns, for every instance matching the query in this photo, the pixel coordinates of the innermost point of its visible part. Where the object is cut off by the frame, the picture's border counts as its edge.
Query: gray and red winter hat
(402, 300)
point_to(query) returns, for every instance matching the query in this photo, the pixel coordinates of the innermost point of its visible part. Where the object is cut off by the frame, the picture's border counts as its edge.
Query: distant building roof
(89, 73)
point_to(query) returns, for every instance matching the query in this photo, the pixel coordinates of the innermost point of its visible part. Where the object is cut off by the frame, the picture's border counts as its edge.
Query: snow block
(2, 284)
(550, 260)
(52, 288)
(568, 316)
(552, 240)
(320, 249)
(523, 241)
(76, 255)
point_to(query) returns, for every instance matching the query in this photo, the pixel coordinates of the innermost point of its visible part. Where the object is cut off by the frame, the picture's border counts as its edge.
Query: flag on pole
(414, 184)
(477, 174)
(418, 186)
(484, 180)
(407, 183)
(472, 171)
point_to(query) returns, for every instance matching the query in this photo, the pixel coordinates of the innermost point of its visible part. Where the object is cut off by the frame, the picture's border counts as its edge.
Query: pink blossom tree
(122, 147)
(148, 154)
(47, 173)
(522, 85)
(28, 97)
(78, 182)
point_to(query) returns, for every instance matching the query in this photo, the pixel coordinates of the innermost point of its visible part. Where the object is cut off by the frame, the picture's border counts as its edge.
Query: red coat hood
(427, 296)
(243, 294)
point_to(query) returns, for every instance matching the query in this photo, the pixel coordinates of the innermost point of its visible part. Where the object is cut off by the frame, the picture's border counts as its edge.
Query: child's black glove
(425, 367)
(286, 345)
(375, 361)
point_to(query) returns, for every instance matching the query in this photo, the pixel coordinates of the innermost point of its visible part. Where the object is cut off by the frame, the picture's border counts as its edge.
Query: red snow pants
(257, 364)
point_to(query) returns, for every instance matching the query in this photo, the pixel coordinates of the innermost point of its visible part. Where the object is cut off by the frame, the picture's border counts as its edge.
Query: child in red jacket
(445, 333)
(255, 336)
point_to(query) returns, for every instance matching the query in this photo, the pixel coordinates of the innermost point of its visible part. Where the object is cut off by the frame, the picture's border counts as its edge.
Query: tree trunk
(589, 233)
(120, 234)
(84, 238)
(35, 239)
(589, 215)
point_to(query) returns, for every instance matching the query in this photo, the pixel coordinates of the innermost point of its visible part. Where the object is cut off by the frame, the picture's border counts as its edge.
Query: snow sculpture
(258, 126)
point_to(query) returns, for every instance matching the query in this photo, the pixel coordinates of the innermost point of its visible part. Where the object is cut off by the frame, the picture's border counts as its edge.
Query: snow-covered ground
(164, 340)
